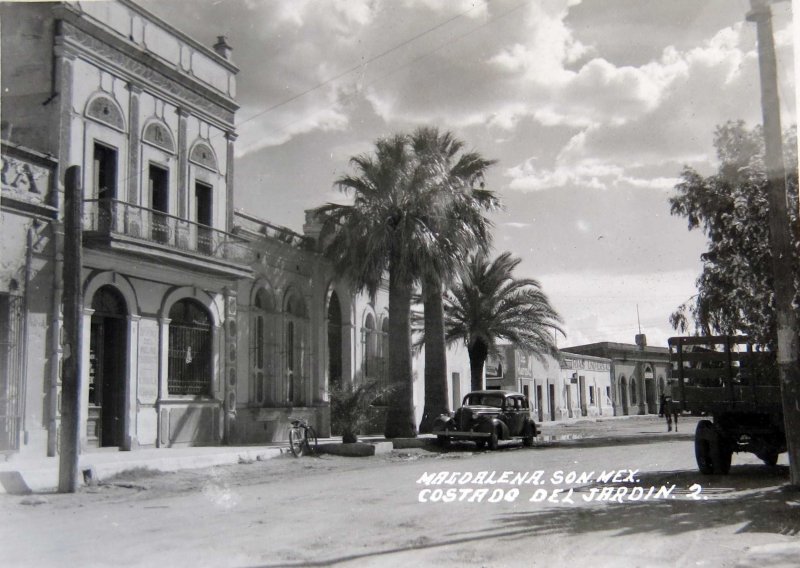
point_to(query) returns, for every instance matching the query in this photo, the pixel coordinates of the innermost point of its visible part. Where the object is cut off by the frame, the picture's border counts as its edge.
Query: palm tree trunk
(436, 394)
(477, 358)
(400, 421)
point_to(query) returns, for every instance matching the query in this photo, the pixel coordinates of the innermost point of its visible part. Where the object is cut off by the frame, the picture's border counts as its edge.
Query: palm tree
(388, 228)
(462, 229)
(489, 304)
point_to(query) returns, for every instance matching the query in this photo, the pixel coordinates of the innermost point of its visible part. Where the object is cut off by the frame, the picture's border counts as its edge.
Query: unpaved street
(367, 511)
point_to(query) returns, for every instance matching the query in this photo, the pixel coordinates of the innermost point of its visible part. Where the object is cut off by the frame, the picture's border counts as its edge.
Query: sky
(591, 108)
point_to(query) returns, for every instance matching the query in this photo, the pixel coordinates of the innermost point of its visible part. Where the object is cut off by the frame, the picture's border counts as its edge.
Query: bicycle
(302, 438)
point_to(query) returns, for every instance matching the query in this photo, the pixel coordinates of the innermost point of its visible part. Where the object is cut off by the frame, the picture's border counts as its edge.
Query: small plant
(352, 407)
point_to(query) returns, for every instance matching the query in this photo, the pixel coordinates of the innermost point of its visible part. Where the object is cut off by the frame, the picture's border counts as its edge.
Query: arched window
(157, 133)
(334, 341)
(383, 375)
(104, 109)
(263, 348)
(623, 393)
(369, 348)
(202, 155)
(294, 349)
(190, 349)
(633, 390)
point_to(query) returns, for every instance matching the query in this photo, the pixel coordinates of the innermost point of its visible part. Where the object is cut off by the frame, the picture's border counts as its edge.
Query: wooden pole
(780, 235)
(69, 446)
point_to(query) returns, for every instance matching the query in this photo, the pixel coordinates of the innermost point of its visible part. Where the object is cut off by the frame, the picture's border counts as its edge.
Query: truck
(733, 383)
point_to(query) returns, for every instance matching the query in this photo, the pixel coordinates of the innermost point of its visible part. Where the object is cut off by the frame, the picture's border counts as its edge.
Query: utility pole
(69, 447)
(780, 235)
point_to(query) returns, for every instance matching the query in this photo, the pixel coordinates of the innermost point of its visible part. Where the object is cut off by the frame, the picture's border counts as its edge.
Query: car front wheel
(493, 441)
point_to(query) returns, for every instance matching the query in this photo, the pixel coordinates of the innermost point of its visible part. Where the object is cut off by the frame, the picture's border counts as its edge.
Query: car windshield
(495, 400)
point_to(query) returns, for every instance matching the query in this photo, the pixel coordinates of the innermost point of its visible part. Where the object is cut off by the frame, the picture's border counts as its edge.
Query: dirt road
(636, 500)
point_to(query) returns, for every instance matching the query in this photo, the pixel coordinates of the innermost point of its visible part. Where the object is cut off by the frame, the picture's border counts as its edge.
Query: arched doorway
(649, 397)
(334, 342)
(623, 394)
(108, 346)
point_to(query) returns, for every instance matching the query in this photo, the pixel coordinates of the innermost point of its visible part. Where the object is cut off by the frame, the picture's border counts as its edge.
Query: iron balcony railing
(113, 217)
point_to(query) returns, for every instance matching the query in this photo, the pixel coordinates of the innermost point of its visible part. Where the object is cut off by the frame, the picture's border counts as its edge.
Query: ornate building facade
(202, 325)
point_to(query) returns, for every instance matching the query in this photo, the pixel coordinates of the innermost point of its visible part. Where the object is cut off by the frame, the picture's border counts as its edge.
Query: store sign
(584, 364)
(524, 370)
(494, 367)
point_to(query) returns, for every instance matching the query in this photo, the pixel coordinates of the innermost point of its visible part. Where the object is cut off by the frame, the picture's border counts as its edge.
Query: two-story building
(202, 324)
(148, 115)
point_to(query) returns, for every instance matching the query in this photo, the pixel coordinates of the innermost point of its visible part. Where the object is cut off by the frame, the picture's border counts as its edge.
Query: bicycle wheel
(311, 441)
(296, 441)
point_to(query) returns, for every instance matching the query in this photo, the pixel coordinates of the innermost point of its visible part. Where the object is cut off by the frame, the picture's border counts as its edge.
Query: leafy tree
(488, 304)
(735, 288)
(393, 226)
(462, 228)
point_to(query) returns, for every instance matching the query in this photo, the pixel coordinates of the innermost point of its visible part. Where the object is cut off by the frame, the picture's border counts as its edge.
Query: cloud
(469, 8)
(267, 130)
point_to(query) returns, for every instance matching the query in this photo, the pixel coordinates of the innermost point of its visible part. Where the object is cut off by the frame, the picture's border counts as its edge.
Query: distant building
(573, 386)
(638, 373)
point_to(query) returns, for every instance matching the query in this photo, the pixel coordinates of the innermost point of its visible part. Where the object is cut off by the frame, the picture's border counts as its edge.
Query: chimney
(222, 48)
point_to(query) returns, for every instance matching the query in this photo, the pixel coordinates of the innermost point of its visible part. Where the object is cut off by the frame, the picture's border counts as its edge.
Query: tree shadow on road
(753, 497)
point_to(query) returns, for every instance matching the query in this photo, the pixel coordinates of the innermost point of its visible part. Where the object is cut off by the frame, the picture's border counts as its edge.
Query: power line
(360, 65)
(397, 69)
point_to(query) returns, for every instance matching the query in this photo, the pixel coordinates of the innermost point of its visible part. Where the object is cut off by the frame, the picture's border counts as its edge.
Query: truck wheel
(443, 441)
(721, 455)
(702, 446)
(493, 441)
(480, 443)
(769, 458)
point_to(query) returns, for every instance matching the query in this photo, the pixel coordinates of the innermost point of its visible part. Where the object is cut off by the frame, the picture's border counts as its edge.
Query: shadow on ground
(753, 498)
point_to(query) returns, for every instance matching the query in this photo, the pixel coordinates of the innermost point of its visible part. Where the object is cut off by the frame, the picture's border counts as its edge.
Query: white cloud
(469, 8)
(275, 129)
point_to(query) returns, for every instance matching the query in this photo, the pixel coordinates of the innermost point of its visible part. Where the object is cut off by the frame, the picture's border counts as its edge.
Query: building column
(62, 85)
(87, 367)
(162, 433)
(133, 144)
(183, 165)
(230, 340)
(129, 436)
(231, 138)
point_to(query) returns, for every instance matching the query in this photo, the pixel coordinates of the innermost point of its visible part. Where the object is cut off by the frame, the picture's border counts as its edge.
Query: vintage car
(486, 417)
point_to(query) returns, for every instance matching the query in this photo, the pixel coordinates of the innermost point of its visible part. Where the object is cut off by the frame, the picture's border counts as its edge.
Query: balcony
(142, 231)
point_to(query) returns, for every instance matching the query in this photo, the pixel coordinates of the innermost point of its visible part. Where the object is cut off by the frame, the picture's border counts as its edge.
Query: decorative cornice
(144, 69)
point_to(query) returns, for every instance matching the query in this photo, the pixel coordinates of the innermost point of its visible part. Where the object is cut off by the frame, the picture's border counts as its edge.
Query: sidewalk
(22, 475)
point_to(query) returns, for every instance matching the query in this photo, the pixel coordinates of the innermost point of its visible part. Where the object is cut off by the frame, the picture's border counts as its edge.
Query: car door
(515, 414)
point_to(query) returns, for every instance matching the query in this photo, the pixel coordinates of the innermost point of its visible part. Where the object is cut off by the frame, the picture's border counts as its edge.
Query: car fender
(489, 425)
(443, 422)
(532, 425)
